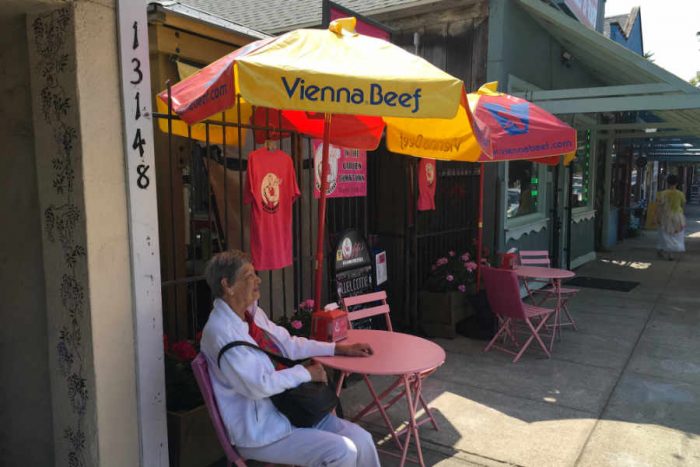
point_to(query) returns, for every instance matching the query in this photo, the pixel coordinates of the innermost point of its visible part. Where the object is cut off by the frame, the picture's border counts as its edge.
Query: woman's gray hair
(224, 265)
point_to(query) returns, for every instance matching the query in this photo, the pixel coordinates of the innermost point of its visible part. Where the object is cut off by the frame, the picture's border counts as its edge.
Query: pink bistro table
(556, 276)
(410, 358)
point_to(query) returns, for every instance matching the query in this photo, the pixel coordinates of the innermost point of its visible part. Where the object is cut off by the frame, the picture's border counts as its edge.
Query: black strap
(278, 358)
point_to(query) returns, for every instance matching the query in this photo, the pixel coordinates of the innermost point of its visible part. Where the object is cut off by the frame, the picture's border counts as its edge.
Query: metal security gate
(202, 211)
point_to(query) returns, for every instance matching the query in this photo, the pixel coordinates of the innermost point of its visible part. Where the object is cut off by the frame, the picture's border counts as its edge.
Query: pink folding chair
(201, 374)
(381, 307)
(503, 293)
(548, 291)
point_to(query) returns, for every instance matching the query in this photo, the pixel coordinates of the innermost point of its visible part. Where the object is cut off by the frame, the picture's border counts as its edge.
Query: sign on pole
(143, 231)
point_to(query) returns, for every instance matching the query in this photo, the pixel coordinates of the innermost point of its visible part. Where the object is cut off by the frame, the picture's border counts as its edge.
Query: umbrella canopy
(324, 71)
(329, 72)
(509, 128)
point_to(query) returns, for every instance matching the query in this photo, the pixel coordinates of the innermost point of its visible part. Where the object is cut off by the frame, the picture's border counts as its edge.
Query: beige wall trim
(57, 132)
(189, 47)
(81, 188)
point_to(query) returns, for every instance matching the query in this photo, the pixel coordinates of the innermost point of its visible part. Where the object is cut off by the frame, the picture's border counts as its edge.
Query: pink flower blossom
(471, 266)
(450, 278)
(296, 324)
(465, 257)
(441, 261)
(452, 253)
(307, 304)
(462, 288)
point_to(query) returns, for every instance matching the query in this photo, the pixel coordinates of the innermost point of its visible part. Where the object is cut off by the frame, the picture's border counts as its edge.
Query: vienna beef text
(377, 95)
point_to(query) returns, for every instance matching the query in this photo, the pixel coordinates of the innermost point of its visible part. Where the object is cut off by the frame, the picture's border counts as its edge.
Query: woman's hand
(354, 350)
(317, 372)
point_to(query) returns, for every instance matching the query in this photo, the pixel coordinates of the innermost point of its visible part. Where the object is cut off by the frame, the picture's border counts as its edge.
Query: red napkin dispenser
(329, 326)
(508, 260)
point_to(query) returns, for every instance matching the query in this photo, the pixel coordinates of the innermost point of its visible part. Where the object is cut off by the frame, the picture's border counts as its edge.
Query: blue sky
(668, 28)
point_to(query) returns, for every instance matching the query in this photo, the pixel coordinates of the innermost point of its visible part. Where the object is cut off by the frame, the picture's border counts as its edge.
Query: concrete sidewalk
(623, 390)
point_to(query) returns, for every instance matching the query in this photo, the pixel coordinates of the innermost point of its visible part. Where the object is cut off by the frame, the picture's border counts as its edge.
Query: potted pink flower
(299, 323)
(442, 302)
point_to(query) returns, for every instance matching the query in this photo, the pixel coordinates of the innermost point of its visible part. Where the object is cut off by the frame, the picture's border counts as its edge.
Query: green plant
(452, 273)
(181, 390)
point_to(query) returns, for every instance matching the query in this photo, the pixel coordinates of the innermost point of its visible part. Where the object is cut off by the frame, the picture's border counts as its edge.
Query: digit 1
(136, 35)
(138, 105)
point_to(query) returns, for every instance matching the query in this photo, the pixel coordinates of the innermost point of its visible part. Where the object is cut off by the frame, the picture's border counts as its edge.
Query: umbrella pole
(480, 227)
(318, 264)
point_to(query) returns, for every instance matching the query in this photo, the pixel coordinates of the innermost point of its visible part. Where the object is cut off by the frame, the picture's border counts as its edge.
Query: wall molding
(582, 215)
(517, 231)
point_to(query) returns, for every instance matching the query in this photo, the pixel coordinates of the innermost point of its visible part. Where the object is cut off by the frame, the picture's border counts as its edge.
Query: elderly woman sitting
(247, 378)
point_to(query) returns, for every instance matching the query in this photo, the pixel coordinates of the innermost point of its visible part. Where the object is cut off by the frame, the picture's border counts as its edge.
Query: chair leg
(534, 336)
(568, 315)
(500, 331)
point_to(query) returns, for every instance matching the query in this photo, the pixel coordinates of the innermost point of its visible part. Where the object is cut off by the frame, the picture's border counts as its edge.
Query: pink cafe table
(555, 275)
(410, 358)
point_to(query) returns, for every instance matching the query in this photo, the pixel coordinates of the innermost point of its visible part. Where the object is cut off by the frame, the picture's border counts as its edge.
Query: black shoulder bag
(304, 405)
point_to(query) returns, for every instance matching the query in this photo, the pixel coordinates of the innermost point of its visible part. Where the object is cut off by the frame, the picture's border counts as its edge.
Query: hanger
(271, 145)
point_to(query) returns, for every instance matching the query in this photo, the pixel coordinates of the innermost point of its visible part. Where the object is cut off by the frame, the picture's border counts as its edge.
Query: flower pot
(440, 311)
(191, 439)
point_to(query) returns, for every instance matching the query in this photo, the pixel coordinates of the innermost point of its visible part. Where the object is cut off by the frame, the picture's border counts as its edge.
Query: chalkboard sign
(353, 270)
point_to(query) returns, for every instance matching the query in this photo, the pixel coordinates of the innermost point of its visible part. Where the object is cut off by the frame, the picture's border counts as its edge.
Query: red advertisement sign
(362, 27)
(367, 26)
(347, 176)
(585, 10)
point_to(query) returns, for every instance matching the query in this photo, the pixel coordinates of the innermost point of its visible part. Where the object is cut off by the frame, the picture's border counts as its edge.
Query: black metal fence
(201, 187)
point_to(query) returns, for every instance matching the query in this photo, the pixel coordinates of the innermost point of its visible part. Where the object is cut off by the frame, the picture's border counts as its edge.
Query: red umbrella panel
(509, 128)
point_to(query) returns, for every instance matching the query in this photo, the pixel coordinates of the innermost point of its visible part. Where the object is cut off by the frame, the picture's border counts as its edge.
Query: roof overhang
(663, 107)
(228, 28)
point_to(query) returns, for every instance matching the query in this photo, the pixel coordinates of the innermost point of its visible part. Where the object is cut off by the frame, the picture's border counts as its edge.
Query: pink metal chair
(503, 293)
(201, 374)
(548, 291)
(382, 308)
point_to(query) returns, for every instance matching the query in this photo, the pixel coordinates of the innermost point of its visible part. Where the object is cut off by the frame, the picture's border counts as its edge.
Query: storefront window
(581, 166)
(523, 189)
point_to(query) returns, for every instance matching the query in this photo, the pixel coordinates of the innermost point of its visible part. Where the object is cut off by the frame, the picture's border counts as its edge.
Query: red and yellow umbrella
(364, 85)
(509, 128)
(308, 73)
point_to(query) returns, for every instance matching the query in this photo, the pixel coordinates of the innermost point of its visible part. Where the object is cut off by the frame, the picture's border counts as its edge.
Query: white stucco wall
(26, 436)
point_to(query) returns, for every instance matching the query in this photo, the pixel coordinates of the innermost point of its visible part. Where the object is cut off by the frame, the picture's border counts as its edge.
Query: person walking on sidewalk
(670, 218)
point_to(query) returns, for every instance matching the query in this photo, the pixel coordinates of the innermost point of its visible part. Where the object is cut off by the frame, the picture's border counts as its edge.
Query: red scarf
(263, 339)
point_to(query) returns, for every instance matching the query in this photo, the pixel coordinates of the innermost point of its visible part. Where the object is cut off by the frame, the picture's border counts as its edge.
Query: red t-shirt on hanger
(271, 187)
(427, 179)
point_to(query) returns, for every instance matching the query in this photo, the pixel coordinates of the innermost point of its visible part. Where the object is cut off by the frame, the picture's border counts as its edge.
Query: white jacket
(247, 378)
